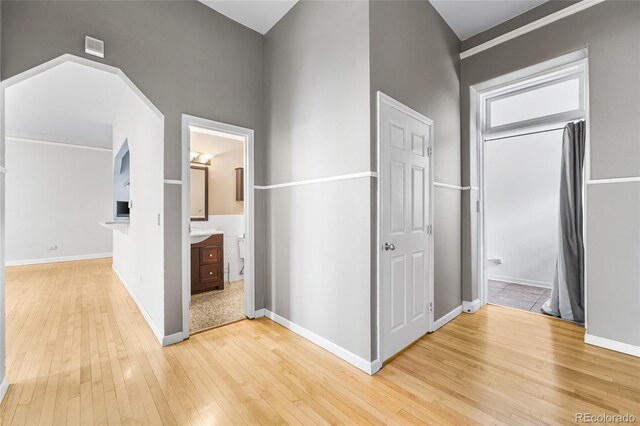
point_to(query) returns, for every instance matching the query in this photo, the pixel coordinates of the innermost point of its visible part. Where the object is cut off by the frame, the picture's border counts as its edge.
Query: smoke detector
(93, 46)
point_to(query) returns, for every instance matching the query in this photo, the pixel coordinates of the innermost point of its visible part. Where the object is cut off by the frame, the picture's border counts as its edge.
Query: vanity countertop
(200, 234)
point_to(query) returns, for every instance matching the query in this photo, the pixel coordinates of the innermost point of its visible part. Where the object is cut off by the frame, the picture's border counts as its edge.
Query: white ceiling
(470, 17)
(70, 103)
(259, 15)
(466, 17)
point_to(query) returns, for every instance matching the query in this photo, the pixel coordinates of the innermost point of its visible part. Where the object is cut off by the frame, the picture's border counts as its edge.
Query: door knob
(388, 247)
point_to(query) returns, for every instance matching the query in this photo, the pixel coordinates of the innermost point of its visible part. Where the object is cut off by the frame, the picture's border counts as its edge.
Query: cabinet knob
(210, 273)
(211, 255)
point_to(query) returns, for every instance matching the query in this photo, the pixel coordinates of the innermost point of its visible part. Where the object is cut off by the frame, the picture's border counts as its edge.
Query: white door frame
(576, 62)
(249, 212)
(388, 100)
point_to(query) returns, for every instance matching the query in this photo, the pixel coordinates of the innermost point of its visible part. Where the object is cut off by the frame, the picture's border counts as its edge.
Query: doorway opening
(521, 126)
(79, 139)
(218, 285)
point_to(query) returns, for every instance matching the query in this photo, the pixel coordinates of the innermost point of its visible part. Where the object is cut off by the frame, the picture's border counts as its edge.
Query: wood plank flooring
(79, 352)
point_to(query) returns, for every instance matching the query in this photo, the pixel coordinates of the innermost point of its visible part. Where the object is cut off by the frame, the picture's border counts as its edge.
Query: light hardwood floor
(79, 352)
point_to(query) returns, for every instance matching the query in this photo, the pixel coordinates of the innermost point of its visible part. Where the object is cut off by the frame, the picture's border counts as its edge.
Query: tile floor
(217, 307)
(525, 297)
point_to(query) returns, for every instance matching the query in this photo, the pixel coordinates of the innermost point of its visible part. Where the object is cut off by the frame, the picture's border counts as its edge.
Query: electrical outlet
(53, 247)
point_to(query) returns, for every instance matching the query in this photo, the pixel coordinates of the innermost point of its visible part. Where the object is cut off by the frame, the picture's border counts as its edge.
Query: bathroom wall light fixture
(201, 157)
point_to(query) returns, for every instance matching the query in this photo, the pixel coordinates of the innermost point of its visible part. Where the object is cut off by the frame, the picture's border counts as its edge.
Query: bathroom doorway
(525, 135)
(217, 201)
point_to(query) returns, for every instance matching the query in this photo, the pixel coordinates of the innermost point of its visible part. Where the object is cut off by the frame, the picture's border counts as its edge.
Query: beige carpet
(217, 307)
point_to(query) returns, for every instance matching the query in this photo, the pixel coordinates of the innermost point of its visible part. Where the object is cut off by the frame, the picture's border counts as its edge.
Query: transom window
(555, 97)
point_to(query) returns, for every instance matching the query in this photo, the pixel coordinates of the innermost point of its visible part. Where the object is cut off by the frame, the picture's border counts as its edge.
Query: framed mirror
(199, 180)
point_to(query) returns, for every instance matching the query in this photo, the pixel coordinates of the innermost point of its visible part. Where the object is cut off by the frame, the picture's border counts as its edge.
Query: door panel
(417, 279)
(418, 144)
(417, 198)
(405, 263)
(396, 136)
(398, 290)
(397, 185)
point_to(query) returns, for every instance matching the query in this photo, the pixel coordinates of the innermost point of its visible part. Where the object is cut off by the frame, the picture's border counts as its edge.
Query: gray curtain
(567, 295)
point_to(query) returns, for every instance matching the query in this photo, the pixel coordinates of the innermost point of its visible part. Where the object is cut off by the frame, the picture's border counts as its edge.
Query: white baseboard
(57, 259)
(173, 338)
(339, 351)
(447, 317)
(143, 311)
(523, 281)
(4, 387)
(375, 366)
(259, 313)
(613, 345)
(471, 307)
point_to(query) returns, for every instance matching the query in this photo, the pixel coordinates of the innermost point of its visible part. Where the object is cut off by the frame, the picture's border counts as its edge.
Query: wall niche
(121, 183)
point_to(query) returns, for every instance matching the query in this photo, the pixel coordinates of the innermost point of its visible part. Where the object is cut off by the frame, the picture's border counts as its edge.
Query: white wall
(522, 200)
(233, 226)
(138, 254)
(55, 197)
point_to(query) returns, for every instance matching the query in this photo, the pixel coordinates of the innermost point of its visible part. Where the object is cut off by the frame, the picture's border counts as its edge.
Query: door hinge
(429, 151)
(430, 229)
(430, 306)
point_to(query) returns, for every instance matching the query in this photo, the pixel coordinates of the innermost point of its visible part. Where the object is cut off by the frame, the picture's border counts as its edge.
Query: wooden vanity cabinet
(207, 264)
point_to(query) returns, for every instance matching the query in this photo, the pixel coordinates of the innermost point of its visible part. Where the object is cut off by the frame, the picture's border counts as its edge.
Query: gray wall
(317, 125)
(611, 32)
(185, 57)
(414, 59)
(613, 270)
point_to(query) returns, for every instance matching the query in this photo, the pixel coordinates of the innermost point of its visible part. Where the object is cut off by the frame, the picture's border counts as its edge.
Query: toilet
(241, 247)
(242, 251)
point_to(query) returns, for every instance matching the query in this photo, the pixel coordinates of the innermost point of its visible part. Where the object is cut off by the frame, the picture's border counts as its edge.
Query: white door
(405, 240)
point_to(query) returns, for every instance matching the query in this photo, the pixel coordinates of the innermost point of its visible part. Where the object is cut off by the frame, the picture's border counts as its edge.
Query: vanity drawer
(209, 255)
(211, 273)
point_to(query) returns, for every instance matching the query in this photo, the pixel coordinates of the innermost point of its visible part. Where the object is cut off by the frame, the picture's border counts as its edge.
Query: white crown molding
(567, 11)
(56, 143)
(319, 180)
